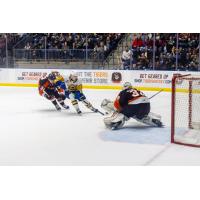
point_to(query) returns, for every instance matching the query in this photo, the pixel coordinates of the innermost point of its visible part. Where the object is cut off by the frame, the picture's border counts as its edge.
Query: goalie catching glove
(108, 106)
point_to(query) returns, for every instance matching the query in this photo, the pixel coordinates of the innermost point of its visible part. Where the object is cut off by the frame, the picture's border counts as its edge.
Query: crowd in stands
(140, 55)
(12, 39)
(100, 44)
(60, 45)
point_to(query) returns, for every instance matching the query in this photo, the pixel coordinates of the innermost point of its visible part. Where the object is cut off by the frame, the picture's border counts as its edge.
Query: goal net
(185, 119)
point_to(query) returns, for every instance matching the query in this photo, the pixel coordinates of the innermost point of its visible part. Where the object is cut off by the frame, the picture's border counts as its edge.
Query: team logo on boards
(116, 77)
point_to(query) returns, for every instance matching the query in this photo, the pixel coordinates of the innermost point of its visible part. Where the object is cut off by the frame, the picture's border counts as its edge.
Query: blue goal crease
(145, 135)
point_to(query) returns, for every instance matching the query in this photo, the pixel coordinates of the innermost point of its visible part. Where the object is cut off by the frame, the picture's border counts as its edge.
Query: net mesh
(187, 110)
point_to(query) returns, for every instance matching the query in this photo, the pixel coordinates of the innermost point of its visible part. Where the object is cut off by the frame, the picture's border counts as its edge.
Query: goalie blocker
(130, 103)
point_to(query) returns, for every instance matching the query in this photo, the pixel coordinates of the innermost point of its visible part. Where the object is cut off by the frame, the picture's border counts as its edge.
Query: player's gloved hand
(72, 87)
(72, 96)
(79, 88)
(60, 90)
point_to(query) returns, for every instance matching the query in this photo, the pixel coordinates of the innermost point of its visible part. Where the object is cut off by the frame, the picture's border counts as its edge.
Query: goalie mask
(127, 85)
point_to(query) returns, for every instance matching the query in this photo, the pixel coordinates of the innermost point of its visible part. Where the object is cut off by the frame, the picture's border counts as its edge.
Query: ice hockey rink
(34, 133)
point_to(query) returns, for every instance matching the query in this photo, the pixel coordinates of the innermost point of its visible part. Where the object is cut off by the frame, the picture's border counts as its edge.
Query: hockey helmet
(127, 85)
(73, 76)
(51, 76)
(56, 73)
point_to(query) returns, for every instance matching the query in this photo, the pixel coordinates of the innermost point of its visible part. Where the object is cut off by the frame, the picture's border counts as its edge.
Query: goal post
(185, 110)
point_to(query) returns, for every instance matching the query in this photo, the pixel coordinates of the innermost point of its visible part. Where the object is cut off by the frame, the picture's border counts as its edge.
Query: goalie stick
(156, 94)
(163, 89)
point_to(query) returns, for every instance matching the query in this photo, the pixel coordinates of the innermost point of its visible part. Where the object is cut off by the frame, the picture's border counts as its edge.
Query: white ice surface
(32, 132)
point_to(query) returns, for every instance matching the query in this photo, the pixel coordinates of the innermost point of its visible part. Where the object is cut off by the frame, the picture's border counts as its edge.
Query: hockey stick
(156, 94)
(163, 89)
(100, 112)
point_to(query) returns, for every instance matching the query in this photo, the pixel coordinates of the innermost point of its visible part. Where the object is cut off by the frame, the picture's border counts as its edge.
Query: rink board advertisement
(93, 79)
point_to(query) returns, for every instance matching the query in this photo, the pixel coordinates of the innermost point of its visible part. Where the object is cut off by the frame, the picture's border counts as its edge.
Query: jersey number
(136, 93)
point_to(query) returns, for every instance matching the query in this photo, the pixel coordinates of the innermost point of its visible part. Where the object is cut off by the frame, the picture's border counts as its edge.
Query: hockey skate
(157, 122)
(58, 107)
(65, 107)
(79, 111)
(117, 125)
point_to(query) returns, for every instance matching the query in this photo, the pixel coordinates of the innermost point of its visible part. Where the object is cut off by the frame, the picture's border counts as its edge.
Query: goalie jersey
(128, 97)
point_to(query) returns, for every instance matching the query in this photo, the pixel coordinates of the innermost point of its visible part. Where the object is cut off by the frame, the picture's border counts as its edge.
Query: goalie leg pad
(151, 119)
(115, 121)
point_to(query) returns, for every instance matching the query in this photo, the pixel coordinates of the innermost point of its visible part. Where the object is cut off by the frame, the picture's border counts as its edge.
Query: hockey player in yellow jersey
(72, 87)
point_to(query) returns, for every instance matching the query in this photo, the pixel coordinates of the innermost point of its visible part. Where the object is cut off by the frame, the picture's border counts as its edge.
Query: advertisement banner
(29, 76)
(96, 79)
(152, 78)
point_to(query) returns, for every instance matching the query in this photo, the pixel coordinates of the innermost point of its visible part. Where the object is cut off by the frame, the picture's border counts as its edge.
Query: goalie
(130, 103)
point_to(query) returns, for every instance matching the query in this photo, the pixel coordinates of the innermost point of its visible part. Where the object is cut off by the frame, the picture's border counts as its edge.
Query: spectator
(143, 61)
(127, 58)
(137, 42)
